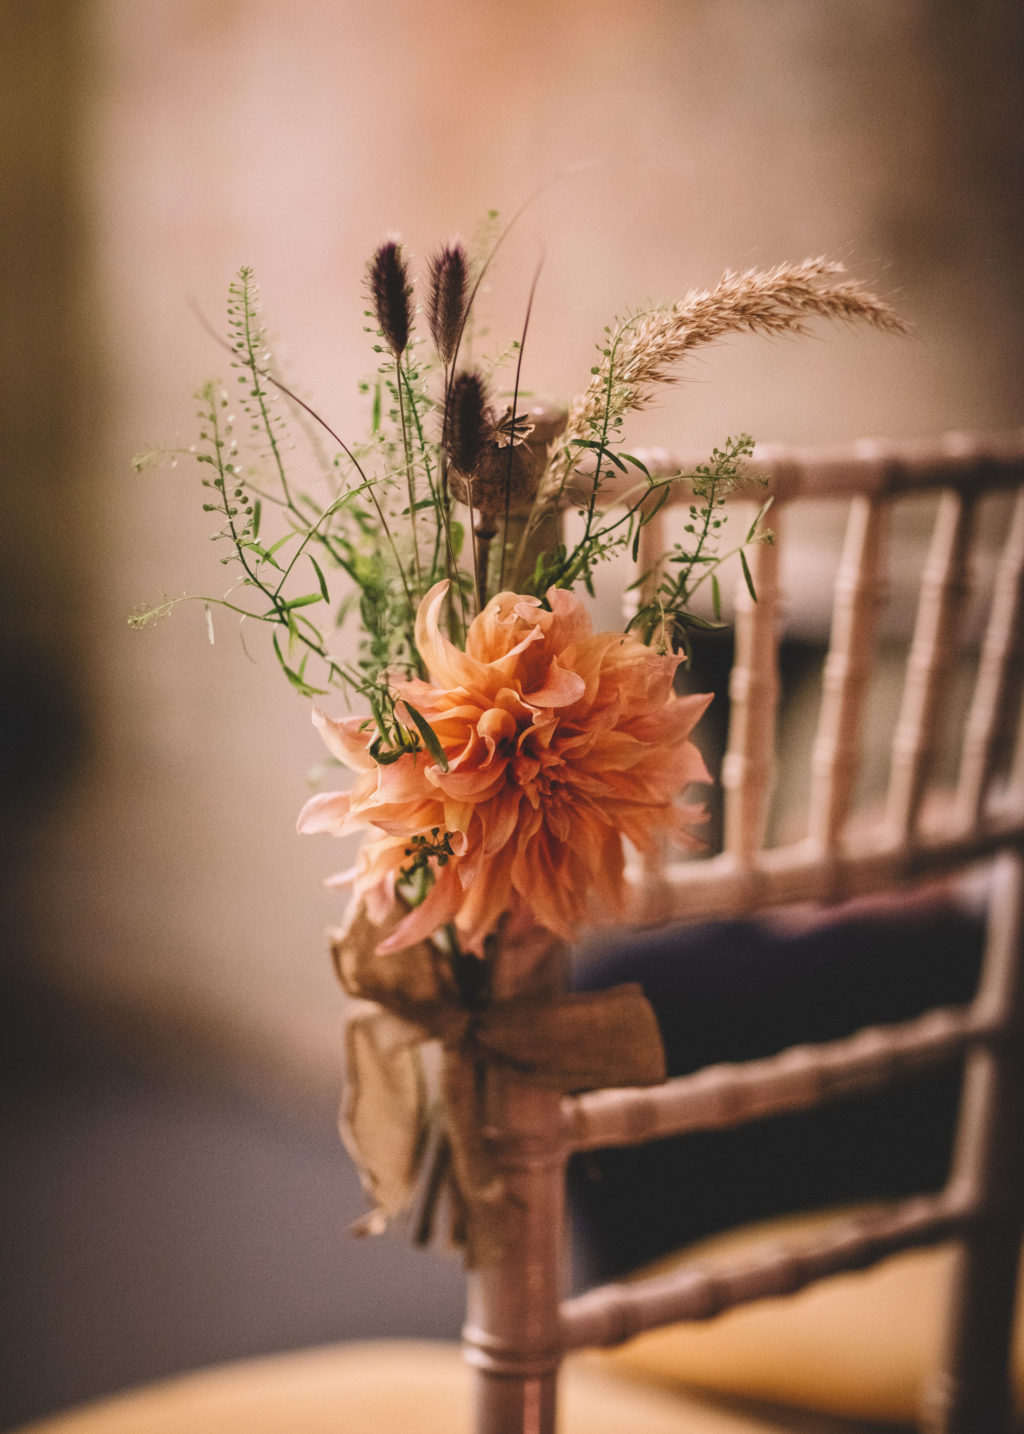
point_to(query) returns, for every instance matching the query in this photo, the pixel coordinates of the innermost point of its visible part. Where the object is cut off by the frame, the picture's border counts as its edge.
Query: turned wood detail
(796, 1079)
(615, 1312)
(800, 872)
(859, 594)
(868, 467)
(749, 763)
(999, 669)
(512, 1333)
(944, 589)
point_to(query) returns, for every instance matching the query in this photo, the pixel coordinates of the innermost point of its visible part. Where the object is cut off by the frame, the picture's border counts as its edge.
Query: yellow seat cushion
(859, 1345)
(388, 1387)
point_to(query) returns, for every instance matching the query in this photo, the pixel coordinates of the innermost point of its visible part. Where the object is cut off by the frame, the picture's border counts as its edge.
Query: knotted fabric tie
(567, 1042)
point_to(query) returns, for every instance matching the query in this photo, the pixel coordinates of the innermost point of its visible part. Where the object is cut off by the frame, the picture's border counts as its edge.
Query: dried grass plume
(645, 348)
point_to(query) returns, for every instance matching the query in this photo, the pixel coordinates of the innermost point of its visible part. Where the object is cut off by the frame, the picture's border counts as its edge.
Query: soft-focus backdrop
(160, 146)
(150, 782)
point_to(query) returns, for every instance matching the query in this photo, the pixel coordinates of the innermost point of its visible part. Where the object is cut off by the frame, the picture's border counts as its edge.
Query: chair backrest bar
(944, 590)
(1000, 667)
(799, 1078)
(749, 764)
(613, 1313)
(858, 596)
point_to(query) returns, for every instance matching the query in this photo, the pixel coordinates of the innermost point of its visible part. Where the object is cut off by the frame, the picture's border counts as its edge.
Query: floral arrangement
(504, 752)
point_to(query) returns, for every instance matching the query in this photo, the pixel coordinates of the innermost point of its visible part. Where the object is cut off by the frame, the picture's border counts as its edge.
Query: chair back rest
(952, 798)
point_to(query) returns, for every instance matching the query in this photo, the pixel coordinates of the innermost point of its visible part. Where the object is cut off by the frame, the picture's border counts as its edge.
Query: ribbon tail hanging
(383, 1120)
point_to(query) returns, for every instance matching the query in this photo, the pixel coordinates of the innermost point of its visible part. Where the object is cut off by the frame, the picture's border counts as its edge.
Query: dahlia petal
(570, 621)
(497, 630)
(472, 786)
(540, 876)
(437, 909)
(326, 812)
(560, 689)
(691, 814)
(341, 878)
(468, 750)
(486, 900)
(347, 738)
(458, 816)
(501, 818)
(446, 664)
(559, 822)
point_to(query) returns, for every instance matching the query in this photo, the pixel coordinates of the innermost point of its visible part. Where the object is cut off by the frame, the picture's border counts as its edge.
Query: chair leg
(516, 1405)
(512, 1331)
(972, 1395)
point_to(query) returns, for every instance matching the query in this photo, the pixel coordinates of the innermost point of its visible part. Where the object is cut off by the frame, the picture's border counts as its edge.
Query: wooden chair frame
(518, 1324)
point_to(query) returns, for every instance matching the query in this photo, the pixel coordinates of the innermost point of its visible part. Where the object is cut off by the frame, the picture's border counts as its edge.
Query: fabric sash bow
(566, 1042)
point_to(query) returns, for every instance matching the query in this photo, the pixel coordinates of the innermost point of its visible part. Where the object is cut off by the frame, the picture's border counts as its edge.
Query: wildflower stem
(452, 572)
(439, 499)
(251, 363)
(515, 405)
(410, 476)
(258, 392)
(482, 559)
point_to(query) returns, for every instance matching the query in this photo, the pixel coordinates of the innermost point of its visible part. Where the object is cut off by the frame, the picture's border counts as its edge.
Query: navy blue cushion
(736, 990)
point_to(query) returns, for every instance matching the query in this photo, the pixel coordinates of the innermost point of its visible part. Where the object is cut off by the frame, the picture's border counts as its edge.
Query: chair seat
(398, 1387)
(862, 1344)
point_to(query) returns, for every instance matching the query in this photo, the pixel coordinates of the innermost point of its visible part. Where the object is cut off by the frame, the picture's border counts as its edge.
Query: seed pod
(446, 302)
(390, 294)
(503, 479)
(467, 421)
(547, 421)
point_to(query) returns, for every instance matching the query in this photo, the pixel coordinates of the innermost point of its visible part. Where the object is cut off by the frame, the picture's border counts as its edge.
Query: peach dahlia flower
(560, 742)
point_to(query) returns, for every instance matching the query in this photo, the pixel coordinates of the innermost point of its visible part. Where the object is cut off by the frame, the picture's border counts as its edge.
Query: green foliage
(664, 619)
(385, 519)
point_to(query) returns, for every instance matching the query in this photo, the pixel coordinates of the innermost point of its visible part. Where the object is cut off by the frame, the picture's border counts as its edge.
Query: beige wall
(176, 139)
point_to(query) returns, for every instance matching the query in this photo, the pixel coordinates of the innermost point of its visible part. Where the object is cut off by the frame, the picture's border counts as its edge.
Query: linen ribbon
(564, 1042)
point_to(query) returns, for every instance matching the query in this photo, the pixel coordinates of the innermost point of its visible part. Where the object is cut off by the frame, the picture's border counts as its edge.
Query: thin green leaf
(383, 756)
(429, 736)
(647, 511)
(716, 596)
(602, 451)
(746, 576)
(635, 550)
(689, 619)
(752, 534)
(320, 578)
(302, 687)
(262, 554)
(632, 458)
(306, 600)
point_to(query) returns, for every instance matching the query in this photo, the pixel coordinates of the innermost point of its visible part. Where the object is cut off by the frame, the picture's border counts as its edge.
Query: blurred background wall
(157, 893)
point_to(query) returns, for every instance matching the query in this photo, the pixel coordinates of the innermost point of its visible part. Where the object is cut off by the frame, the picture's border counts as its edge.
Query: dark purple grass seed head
(391, 295)
(446, 302)
(467, 421)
